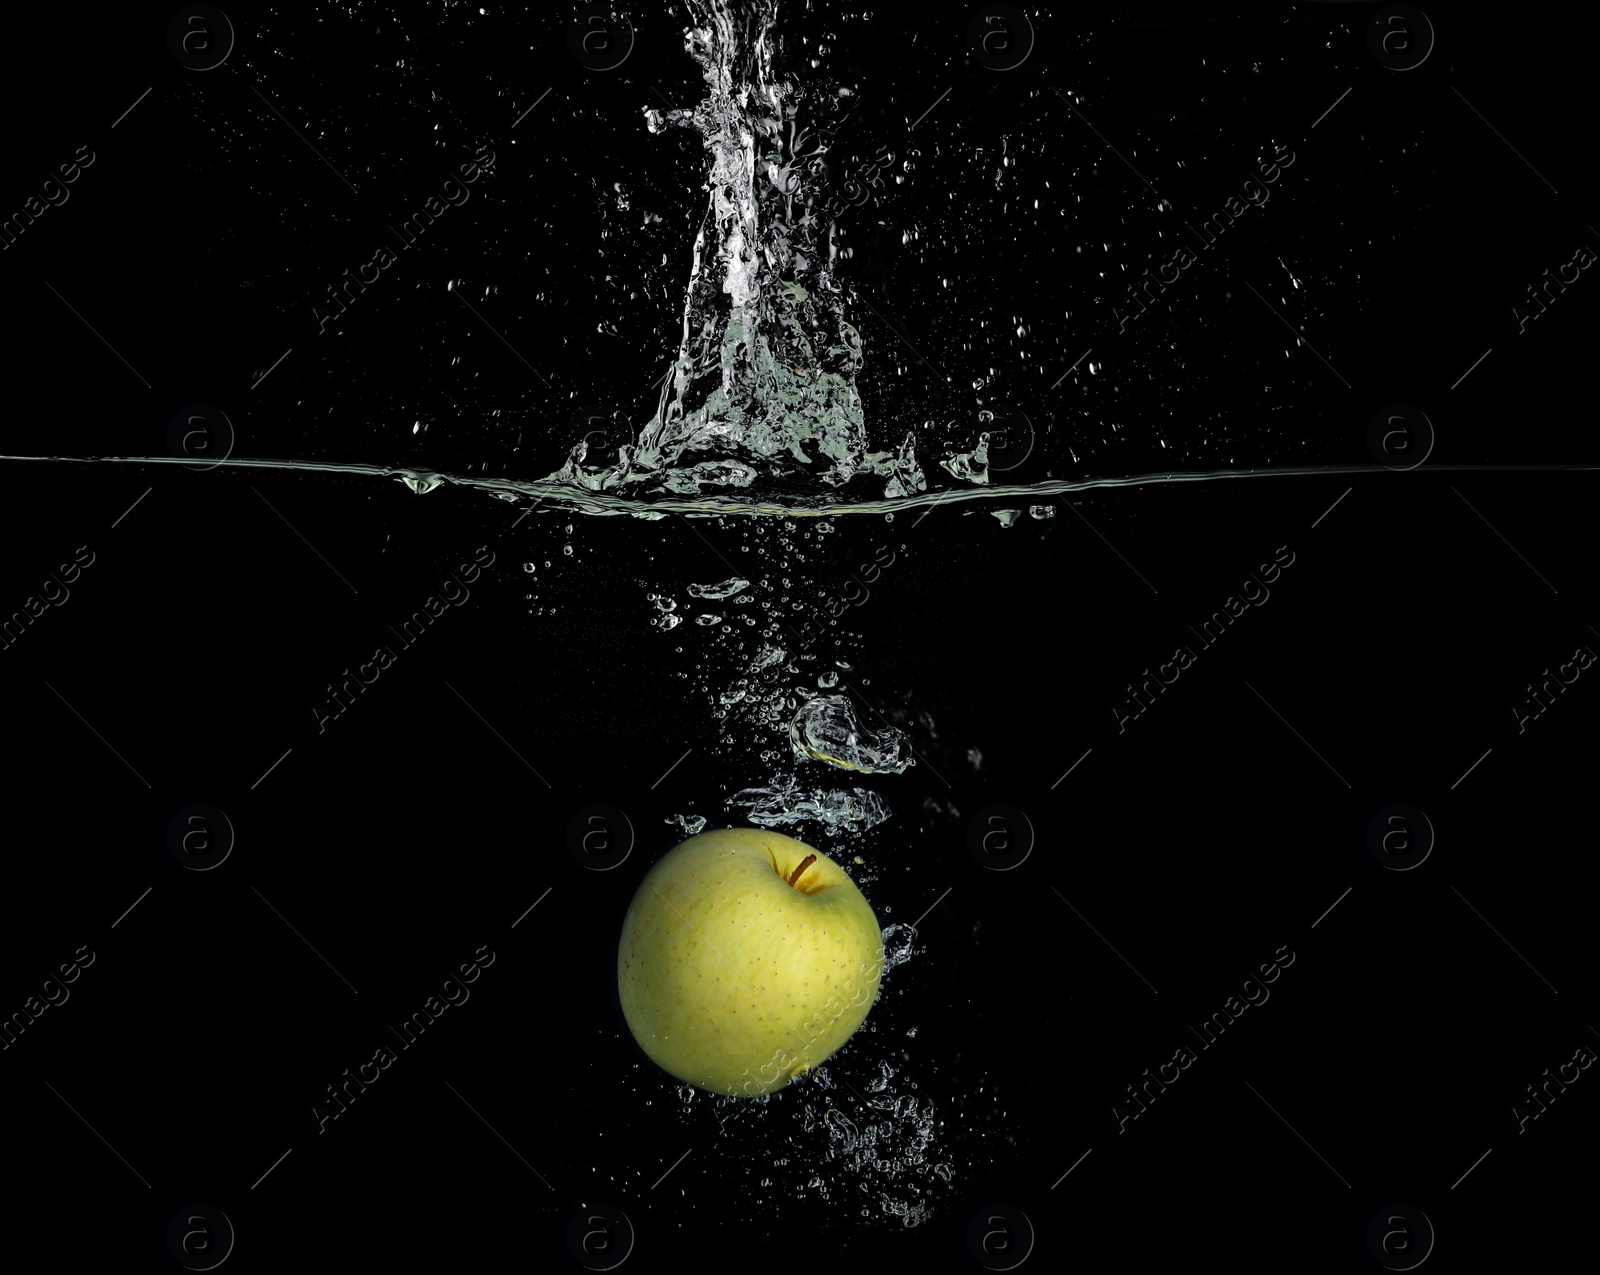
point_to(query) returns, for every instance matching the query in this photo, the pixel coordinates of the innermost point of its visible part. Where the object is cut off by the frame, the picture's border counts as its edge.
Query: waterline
(601, 503)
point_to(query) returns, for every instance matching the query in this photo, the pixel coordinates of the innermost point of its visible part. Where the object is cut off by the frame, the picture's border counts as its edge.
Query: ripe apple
(746, 959)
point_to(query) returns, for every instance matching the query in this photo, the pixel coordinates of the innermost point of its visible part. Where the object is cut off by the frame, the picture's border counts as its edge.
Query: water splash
(763, 389)
(716, 592)
(826, 729)
(785, 801)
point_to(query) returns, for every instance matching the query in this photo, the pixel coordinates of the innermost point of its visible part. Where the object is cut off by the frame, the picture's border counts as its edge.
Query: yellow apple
(746, 959)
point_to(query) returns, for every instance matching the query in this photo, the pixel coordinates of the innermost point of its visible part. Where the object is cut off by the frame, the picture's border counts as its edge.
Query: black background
(1174, 858)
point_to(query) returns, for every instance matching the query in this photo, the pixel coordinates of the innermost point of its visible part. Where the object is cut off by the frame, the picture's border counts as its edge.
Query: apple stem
(804, 864)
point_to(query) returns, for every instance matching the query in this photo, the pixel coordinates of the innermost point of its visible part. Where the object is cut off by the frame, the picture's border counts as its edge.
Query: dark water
(1189, 697)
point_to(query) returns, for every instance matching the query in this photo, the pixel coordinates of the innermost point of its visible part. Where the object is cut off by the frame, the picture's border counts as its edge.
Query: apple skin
(736, 981)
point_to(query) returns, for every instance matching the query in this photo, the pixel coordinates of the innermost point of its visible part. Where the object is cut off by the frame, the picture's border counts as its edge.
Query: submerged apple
(746, 959)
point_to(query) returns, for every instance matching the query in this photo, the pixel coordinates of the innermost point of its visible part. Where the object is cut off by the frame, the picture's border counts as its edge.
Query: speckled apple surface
(736, 981)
